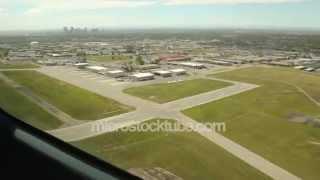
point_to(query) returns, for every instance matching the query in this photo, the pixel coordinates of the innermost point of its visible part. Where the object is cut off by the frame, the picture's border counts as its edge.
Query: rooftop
(98, 68)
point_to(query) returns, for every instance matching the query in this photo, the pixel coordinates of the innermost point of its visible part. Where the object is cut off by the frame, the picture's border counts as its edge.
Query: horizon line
(169, 28)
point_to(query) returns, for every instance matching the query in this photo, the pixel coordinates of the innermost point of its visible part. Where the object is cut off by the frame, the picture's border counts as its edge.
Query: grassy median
(17, 65)
(166, 92)
(19, 106)
(78, 103)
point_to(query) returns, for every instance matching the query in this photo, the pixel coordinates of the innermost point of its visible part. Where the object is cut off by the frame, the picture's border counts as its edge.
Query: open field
(78, 103)
(3, 52)
(309, 82)
(276, 120)
(20, 107)
(186, 154)
(166, 92)
(17, 66)
(108, 58)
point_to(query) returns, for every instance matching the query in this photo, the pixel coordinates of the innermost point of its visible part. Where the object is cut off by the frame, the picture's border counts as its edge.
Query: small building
(163, 73)
(178, 71)
(148, 66)
(223, 63)
(116, 73)
(310, 69)
(81, 65)
(174, 58)
(96, 69)
(142, 76)
(299, 67)
(193, 65)
(34, 43)
(49, 63)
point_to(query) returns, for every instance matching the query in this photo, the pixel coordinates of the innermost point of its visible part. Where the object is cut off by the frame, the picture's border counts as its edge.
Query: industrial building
(142, 76)
(81, 65)
(192, 65)
(116, 73)
(148, 66)
(174, 58)
(96, 69)
(163, 73)
(223, 63)
(178, 72)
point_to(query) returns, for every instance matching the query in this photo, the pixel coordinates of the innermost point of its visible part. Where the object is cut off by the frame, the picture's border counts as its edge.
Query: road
(146, 110)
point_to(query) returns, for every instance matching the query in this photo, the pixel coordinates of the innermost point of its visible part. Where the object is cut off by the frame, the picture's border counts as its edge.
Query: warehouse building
(96, 69)
(223, 63)
(192, 65)
(81, 65)
(116, 73)
(163, 73)
(174, 58)
(148, 66)
(142, 76)
(178, 72)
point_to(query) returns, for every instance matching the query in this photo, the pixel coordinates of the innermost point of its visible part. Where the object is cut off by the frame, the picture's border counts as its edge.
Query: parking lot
(92, 76)
(126, 81)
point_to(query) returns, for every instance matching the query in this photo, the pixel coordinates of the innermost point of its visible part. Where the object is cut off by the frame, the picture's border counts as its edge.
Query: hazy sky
(54, 14)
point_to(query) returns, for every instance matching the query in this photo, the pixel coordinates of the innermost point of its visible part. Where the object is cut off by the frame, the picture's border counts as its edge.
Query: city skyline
(49, 14)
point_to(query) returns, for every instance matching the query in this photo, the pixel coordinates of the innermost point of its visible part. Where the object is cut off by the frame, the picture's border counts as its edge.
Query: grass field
(3, 52)
(20, 107)
(186, 154)
(78, 103)
(165, 92)
(307, 81)
(265, 120)
(17, 66)
(108, 58)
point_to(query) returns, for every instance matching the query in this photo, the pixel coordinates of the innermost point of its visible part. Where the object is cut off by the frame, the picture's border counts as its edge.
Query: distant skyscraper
(65, 29)
(71, 29)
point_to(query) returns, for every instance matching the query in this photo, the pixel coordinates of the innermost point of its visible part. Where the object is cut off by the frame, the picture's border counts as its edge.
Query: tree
(128, 66)
(6, 52)
(157, 61)
(82, 56)
(130, 49)
(139, 60)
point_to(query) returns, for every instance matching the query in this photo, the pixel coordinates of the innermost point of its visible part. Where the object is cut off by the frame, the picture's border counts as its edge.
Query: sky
(55, 14)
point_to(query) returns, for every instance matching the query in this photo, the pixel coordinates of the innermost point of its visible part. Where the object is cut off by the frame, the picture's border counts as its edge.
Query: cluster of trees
(128, 66)
(82, 56)
(131, 65)
(139, 60)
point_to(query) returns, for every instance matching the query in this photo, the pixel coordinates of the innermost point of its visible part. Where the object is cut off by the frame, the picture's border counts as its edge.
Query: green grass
(19, 106)
(307, 81)
(165, 92)
(108, 58)
(3, 52)
(17, 65)
(186, 154)
(260, 119)
(78, 103)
